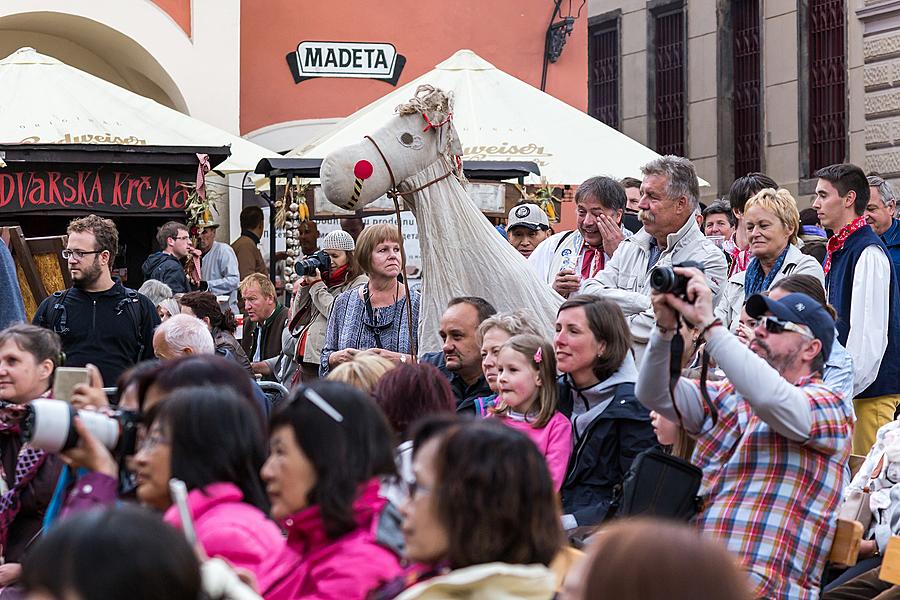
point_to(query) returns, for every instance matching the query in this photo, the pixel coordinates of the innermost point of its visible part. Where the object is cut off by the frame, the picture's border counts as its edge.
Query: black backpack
(56, 317)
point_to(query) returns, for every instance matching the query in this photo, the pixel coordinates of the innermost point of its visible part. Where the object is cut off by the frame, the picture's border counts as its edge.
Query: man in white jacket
(565, 259)
(670, 199)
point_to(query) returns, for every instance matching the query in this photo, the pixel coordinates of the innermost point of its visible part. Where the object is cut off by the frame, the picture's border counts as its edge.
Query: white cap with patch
(528, 215)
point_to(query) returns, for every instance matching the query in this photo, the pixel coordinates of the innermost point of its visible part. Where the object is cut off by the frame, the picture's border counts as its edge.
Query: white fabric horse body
(462, 253)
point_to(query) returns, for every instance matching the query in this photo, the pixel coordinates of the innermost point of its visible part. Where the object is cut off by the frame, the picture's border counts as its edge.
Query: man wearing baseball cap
(772, 438)
(218, 265)
(565, 259)
(526, 227)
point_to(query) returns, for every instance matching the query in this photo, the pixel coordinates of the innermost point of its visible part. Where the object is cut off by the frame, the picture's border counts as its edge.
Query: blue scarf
(754, 281)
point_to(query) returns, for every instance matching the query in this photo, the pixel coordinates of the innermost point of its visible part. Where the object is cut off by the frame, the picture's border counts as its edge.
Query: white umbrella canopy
(499, 117)
(43, 100)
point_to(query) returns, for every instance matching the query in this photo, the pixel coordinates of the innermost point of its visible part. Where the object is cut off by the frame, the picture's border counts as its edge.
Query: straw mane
(436, 106)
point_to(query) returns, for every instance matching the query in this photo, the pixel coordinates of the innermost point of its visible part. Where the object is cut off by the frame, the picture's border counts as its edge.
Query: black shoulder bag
(659, 484)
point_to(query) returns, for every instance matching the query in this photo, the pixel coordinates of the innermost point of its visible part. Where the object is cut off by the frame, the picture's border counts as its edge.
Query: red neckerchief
(740, 258)
(338, 275)
(593, 262)
(836, 242)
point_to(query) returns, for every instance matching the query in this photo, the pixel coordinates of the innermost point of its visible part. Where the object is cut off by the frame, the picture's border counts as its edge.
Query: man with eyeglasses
(772, 438)
(99, 320)
(166, 265)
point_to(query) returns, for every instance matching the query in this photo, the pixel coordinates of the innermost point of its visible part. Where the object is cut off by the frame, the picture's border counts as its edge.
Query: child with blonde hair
(526, 399)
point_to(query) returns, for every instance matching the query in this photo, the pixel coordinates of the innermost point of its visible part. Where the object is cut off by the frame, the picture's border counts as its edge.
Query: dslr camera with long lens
(666, 281)
(48, 425)
(318, 261)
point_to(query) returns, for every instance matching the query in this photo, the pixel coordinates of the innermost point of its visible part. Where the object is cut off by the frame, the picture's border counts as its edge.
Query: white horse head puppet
(418, 152)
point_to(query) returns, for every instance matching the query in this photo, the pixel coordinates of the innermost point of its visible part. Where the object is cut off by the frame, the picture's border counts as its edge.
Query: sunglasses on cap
(776, 325)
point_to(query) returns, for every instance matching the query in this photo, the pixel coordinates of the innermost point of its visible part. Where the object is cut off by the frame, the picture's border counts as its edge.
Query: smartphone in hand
(179, 493)
(66, 378)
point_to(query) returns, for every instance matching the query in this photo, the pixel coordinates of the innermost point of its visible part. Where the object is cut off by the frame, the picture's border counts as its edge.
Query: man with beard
(99, 320)
(460, 358)
(565, 259)
(772, 438)
(670, 201)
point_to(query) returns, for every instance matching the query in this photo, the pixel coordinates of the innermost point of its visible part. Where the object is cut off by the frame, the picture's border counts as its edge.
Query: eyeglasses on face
(414, 488)
(78, 254)
(775, 325)
(182, 237)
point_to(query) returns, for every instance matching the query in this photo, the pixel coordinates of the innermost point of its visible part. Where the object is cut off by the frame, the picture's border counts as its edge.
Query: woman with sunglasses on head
(329, 447)
(29, 356)
(377, 315)
(210, 438)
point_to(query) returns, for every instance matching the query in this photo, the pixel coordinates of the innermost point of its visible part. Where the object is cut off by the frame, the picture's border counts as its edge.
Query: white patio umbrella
(43, 100)
(499, 117)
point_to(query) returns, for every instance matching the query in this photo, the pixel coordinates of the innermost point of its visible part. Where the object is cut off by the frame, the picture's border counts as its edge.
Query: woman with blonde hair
(363, 371)
(772, 223)
(492, 334)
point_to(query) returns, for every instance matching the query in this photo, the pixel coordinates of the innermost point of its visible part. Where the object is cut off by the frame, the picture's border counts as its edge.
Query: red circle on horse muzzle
(363, 169)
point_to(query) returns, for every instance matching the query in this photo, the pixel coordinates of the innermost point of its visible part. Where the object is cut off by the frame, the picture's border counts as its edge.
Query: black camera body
(666, 281)
(317, 261)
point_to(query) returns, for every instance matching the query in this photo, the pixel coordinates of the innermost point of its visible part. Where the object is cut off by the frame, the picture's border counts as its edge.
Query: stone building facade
(771, 85)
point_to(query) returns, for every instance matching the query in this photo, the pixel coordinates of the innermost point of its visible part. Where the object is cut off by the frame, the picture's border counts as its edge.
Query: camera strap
(370, 313)
(676, 350)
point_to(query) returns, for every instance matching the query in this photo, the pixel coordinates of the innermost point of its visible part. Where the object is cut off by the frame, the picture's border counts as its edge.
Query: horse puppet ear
(455, 147)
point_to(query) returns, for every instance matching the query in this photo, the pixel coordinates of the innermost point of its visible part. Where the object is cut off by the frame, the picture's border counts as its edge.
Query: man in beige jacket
(670, 197)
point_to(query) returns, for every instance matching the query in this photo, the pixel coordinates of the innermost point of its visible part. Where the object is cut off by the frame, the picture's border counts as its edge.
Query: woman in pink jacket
(211, 439)
(329, 445)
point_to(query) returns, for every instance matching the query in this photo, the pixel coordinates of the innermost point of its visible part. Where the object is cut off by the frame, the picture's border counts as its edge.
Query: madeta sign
(363, 60)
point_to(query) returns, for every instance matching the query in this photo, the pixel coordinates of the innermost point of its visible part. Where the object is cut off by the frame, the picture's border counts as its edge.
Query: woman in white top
(772, 223)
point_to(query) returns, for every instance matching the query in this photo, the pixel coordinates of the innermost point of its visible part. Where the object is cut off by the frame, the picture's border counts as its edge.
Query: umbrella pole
(271, 201)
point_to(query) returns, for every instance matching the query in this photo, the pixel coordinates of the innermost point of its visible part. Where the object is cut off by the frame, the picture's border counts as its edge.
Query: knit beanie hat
(338, 240)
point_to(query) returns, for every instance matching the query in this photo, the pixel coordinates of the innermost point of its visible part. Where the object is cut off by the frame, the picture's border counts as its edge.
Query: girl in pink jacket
(329, 446)
(212, 439)
(527, 400)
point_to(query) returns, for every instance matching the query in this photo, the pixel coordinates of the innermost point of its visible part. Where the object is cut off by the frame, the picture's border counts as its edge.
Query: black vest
(839, 283)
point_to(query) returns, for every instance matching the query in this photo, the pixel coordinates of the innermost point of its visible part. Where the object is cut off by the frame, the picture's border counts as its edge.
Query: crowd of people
(751, 343)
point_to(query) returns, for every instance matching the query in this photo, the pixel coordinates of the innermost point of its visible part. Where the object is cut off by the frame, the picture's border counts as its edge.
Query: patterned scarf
(28, 463)
(836, 242)
(755, 281)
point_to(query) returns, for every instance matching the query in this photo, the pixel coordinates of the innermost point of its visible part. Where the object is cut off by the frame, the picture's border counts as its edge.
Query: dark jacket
(891, 239)
(230, 348)
(168, 269)
(465, 394)
(606, 441)
(112, 329)
(26, 527)
(269, 334)
(12, 310)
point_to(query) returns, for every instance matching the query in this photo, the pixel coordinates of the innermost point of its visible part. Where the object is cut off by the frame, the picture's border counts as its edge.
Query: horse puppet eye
(411, 141)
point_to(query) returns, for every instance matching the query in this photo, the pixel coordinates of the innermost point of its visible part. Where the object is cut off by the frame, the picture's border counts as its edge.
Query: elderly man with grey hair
(670, 200)
(182, 335)
(881, 216)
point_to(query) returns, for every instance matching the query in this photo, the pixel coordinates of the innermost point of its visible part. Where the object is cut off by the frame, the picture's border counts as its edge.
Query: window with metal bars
(827, 70)
(746, 57)
(669, 67)
(603, 77)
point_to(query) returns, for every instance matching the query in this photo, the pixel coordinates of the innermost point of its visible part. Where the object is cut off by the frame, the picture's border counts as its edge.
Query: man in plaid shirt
(772, 441)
